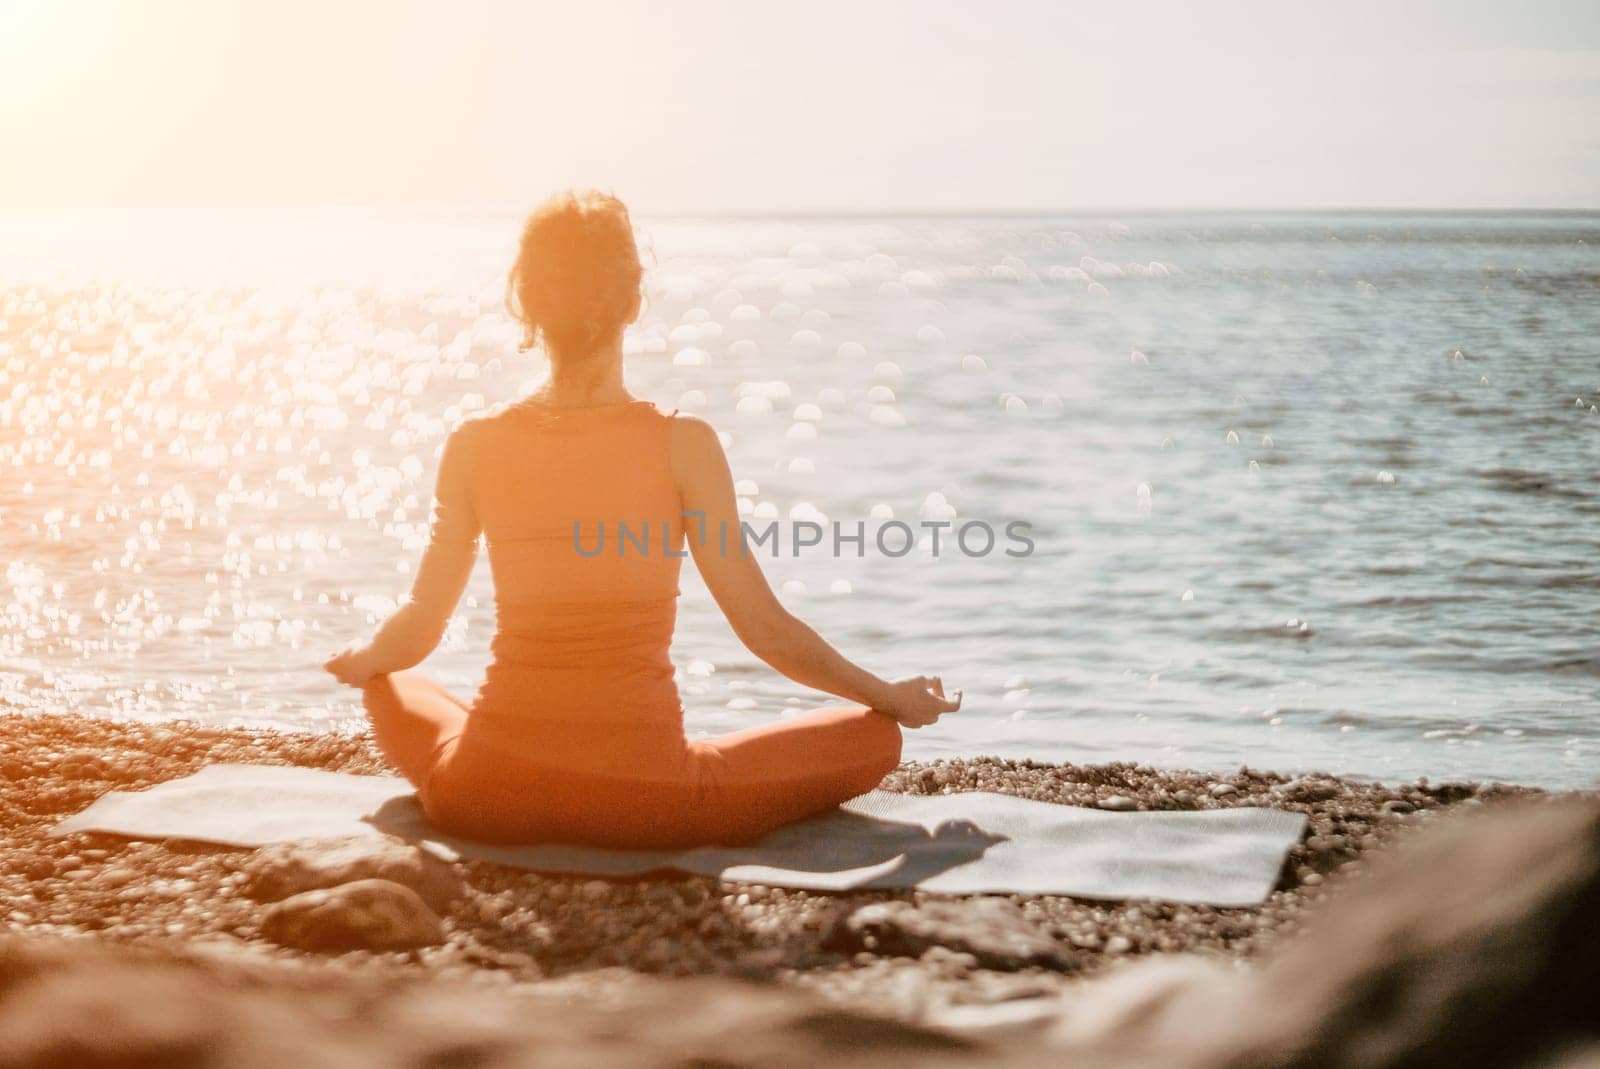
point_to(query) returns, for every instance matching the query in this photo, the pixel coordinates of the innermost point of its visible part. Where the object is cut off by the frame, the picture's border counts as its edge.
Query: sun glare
(48, 51)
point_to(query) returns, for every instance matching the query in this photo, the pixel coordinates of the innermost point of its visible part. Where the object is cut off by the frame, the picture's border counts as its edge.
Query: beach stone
(1473, 944)
(363, 915)
(1308, 789)
(85, 1006)
(1119, 803)
(1223, 790)
(1482, 936)
(994, 931)
(276, 872)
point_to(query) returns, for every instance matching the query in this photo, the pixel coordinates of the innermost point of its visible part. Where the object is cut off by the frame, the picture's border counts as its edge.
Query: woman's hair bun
(577, 276)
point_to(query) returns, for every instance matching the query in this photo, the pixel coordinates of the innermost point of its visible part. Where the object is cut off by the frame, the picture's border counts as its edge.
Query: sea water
(1301, 491)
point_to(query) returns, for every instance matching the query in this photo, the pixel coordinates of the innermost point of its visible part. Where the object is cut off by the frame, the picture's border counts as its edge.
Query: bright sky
(750, 106)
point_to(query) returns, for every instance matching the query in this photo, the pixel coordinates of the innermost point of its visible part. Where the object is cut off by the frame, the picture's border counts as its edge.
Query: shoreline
(187, 907)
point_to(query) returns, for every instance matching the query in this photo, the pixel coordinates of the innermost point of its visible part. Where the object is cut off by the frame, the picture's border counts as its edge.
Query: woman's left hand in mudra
(917, 701)
(350, 667)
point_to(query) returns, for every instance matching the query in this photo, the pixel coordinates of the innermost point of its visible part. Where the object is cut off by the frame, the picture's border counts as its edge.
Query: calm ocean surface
(1305, 491)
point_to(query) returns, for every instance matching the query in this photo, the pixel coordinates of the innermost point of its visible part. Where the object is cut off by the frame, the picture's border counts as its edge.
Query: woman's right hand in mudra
(916, 701)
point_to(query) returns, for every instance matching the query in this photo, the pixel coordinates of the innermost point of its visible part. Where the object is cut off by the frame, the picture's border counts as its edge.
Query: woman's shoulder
(688, 427)
(485, 419)
(471, 427)
(692, 442)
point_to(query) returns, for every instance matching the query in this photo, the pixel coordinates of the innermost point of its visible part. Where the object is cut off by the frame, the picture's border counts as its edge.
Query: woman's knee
(379, 696)
(871, 733)
(893, 739)
(390, 691)
(881, 743)
(404, 704)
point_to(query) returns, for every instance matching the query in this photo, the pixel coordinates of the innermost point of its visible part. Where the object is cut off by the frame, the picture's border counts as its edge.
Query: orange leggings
(730, 789)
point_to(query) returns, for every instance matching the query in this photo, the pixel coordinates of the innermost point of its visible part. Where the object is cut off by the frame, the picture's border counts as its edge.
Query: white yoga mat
(963, 843)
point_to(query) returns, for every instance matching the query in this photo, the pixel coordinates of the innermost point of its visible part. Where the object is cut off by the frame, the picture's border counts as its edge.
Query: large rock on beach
(363, 915)
(994, 931)
(1475, 945)
(276, 872)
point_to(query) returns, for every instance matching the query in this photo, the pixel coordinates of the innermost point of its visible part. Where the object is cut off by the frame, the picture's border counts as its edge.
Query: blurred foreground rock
(1476, 945)
(69, 1004)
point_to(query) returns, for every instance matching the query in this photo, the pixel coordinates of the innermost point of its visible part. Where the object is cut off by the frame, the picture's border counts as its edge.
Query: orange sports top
(585, 535)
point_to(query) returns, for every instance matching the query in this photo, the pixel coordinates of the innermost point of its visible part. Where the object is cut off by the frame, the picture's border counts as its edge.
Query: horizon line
(885, 212)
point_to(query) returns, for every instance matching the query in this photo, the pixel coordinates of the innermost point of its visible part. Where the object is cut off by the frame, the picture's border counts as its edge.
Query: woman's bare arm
(413, 630)
(758, 618)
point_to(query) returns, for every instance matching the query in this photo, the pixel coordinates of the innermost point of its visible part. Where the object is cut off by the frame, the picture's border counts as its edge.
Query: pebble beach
(514, 927)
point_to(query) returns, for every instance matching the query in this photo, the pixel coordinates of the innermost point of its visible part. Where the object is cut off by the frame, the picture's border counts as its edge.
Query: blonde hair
(577, 276)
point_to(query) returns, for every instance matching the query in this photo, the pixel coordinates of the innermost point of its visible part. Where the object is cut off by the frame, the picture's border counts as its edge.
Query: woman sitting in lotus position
(576, 733)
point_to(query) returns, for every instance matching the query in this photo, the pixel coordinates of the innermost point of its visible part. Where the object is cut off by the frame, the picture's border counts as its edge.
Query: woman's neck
(585, 380)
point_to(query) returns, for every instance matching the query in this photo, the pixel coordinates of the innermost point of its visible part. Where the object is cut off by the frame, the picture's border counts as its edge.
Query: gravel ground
(515, 926)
